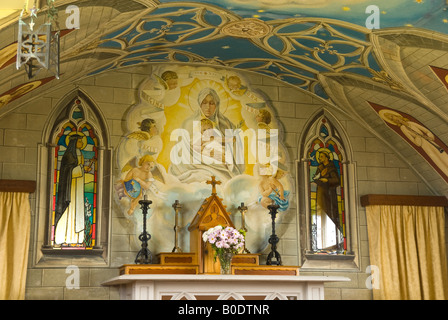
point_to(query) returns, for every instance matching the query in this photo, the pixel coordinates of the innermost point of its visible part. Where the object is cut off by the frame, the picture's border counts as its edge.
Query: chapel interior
(337, 114)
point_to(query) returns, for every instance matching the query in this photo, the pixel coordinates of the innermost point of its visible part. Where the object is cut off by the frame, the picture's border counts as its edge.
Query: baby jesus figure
(211, 147)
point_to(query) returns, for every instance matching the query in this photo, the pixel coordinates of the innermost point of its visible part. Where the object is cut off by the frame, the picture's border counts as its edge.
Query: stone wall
(378, 170)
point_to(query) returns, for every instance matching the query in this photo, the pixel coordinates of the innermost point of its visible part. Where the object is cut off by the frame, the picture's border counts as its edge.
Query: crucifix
(213, 182)
(177, 207)
(243, 210)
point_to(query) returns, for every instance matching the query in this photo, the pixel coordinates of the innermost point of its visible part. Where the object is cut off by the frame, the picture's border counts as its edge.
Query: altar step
(186, 263)
(169, 258)
(157, 269)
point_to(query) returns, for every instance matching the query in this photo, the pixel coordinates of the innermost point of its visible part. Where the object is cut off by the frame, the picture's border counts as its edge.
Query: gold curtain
(14, 244)
(407, 244)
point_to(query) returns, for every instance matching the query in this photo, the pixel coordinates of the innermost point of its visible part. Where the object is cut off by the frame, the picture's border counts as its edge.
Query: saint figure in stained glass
(327, 194)
(69, 220)
(327, 180)
(75, 184)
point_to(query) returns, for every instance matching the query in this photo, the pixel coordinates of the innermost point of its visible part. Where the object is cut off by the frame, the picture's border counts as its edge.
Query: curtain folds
(15, 220)
(407, 244)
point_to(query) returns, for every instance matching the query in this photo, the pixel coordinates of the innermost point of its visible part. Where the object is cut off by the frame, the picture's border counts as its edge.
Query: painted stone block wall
(378, 170)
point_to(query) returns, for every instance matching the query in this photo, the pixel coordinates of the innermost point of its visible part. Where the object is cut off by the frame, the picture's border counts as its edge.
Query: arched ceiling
(321, 47)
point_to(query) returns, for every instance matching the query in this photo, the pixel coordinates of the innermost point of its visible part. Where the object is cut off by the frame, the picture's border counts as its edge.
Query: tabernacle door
(211, 214)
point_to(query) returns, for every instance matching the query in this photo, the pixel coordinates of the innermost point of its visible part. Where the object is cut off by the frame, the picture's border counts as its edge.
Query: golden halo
(383, 116)
(324, 150)
(446, 79)
(84, 138)
(202, 84)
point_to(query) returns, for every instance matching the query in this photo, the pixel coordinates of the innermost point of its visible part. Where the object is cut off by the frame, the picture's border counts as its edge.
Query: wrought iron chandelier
(38, 45)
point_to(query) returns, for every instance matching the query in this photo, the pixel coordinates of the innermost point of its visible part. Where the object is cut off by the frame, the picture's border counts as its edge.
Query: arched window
(77, 153)
(327, 210)
(326, 190)
(75, 183)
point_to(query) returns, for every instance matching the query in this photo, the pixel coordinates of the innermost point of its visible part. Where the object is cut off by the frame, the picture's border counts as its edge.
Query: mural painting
(442, 75)
(418, 136)
(21, 90)
(192, 124)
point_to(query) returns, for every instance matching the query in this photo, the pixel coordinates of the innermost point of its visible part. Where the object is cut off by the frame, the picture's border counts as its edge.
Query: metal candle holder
(144, 256)
(243, 210)
(177, 207)
(273, 239)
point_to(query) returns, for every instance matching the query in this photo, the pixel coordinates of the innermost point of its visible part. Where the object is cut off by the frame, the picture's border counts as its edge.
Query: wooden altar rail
(27, 186)
(403, 200)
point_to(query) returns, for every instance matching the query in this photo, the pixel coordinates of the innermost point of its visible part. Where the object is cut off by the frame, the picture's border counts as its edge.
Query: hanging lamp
(38, 44)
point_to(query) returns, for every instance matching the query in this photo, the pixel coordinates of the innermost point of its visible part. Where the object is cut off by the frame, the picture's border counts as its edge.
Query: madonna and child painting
(189, 125)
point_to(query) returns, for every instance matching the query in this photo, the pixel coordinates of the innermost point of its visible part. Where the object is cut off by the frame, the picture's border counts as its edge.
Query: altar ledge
(221, 287)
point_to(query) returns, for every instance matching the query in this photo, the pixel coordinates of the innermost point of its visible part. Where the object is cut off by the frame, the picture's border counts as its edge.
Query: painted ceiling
(319, 46)
(418, 13)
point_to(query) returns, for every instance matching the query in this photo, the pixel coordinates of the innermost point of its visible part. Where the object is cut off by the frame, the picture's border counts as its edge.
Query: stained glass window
(74, 207)
(327, 211)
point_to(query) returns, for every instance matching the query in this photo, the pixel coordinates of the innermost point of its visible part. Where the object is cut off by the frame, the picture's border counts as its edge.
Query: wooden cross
(213, 182)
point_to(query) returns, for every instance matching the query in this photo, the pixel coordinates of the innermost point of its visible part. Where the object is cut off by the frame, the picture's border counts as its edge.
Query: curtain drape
(15, 222)
(407, 244)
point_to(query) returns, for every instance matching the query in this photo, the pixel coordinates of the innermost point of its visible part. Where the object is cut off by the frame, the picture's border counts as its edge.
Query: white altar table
(220, 287)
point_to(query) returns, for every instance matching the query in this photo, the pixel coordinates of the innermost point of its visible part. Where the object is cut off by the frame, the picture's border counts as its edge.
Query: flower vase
(226, 262)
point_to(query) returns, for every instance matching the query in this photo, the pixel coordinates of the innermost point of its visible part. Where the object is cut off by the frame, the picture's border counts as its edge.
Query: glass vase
(226, 262)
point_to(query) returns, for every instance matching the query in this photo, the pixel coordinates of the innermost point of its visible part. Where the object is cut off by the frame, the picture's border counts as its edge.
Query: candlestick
(144, 256)
(273, 239)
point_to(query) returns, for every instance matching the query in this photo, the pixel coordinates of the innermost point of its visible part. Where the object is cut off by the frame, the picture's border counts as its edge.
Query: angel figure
(169, 79)
(263, 119)
(272, 191)
(149, 141)
(235, 85)
(145, 141)
(139, 180)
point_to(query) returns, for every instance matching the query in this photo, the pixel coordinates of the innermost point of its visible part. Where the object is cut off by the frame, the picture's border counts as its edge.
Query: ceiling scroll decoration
(293, 50)
(246, 28)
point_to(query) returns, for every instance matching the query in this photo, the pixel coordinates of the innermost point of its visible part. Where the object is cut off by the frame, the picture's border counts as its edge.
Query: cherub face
(172, 83)
(234, 84)
(153, 131)
(148, 165)
(280, 174)
(205, 127)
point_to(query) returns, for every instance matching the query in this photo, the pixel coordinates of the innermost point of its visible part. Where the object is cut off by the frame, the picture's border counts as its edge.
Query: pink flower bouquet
(224, 240)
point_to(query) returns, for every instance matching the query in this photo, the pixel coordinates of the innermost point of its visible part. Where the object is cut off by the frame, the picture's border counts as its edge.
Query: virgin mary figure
(200, 166)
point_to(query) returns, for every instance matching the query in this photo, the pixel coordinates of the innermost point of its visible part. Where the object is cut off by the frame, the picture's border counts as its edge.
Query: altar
(197, 274)
(220, 287)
